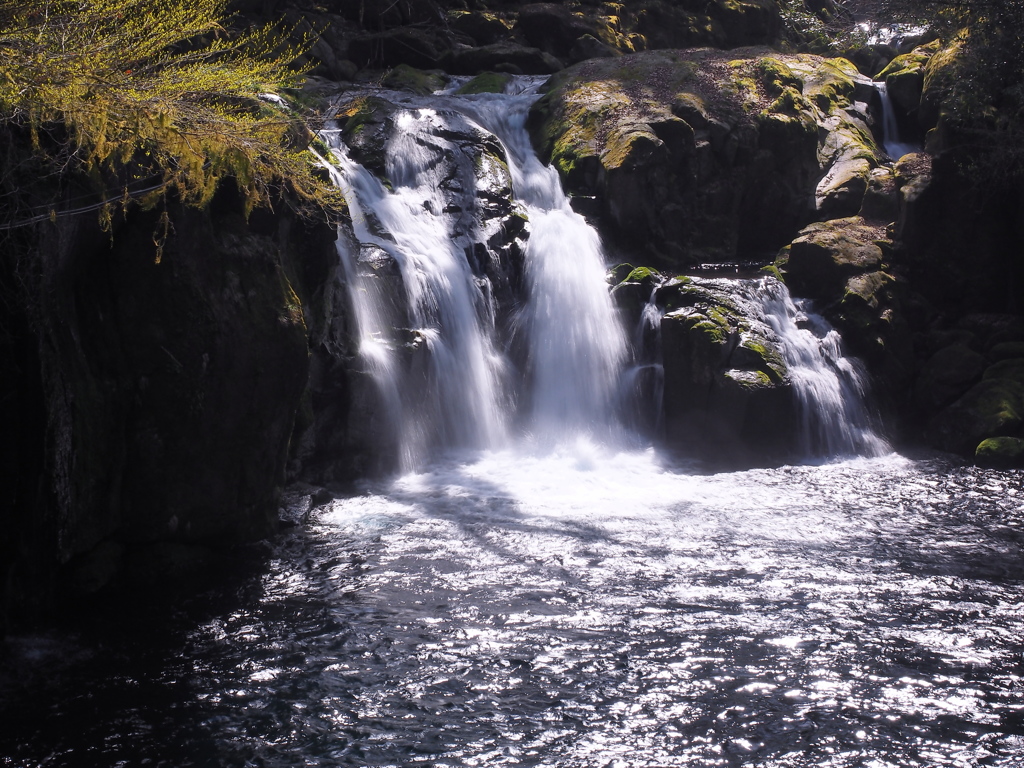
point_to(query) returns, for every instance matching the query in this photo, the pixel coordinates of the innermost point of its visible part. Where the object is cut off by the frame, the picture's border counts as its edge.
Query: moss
(749, 380)
(640, 274)
(620, 273)
(774, 76)
(914, 61)
(406, 78)
(1000, 453)
(712, 331)
(1012, 368)
(486, 82)
(772, 365)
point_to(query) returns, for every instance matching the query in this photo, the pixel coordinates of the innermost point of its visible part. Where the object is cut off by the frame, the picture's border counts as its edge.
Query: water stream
(890, 128)
(538, 595)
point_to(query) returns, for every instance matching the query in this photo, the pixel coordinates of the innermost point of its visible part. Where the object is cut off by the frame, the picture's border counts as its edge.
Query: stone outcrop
(706, 156)
(726, 393)
(165, 393)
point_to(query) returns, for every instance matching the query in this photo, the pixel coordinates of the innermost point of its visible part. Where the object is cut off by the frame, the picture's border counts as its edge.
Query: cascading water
(830, 387)
(446, 382)
(451, 393)
(890, 128)
(460, 394)
(643, 380)
(576, 344)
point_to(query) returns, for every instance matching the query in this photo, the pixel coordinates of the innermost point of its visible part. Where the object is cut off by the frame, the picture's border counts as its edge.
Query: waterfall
(643, 381)
(451, 371)
(890, 128)
(444, 382)
(447, 379)
(576, 344)
(830, 388)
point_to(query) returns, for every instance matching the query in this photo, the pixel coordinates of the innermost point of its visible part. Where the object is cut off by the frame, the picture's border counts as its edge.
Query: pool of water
(580, 608)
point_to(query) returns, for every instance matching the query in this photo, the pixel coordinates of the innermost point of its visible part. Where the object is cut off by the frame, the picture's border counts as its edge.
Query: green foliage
(138, 91)
(819, 26)
(978, 76)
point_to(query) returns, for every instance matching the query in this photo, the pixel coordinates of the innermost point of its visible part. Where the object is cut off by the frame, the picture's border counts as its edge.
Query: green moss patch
(486, 82)
(1000, 453)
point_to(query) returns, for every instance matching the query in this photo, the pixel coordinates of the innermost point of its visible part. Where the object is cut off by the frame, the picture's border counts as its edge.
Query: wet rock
(827, 254)
(991, 408)
(486, 82)
(904, 80)
(727, 396)
(1000, 453)
(716, 155)
(406, 78)
(510, 58)
(948, 374)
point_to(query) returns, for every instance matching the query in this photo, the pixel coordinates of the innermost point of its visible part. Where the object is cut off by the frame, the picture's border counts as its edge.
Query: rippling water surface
(579, 609)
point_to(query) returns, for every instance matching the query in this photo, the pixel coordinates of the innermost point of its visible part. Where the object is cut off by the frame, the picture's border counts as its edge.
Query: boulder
(727, 395)
(991, 408)
(481, 27)
(948, 374)
(486, 82)
(406, 78)
(417, 46)
(552, 28)
(715, 156)
(825, 255)
(1000, 453)
(506, 57)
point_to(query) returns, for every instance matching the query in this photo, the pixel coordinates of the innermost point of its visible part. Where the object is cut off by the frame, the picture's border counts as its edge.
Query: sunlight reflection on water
(591, 608)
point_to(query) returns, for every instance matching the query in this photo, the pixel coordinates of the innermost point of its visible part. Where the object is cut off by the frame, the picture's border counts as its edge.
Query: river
(581, 608)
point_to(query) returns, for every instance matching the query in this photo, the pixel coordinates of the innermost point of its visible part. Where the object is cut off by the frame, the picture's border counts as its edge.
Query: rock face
(846, 265)
(708, 156)
(167, 393)
(726, 394)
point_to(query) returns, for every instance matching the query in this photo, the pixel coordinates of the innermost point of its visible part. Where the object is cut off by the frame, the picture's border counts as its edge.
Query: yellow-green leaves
(153, 88)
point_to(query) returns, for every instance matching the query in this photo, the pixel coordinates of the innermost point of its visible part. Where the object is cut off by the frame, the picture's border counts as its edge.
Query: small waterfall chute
(891, 129)
(831, 389)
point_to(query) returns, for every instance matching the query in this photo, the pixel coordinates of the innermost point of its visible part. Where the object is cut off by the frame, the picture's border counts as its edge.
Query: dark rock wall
(146, 402)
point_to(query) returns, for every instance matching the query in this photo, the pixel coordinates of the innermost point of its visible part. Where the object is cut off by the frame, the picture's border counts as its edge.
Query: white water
(890, 129)
(576, 344)
(458, 392)
(446, 383)
(831, 388)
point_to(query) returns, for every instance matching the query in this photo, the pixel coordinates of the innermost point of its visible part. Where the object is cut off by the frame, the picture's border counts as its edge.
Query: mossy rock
(825, 255)
(775, 76)
(406, 78)
(1011, 368)
(948, 374)
(865, 296)
(757, 354)
(1000, 453)
(991, 408)
(643, 275)
(914, 61)
(486, 82)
